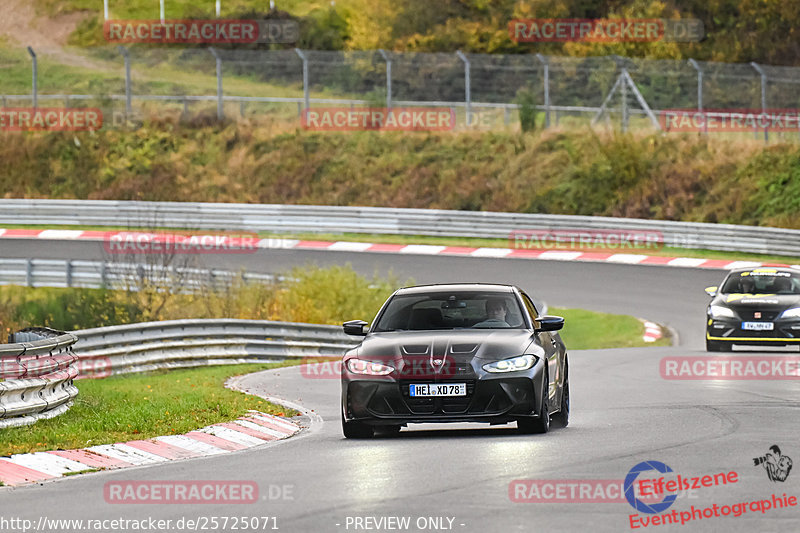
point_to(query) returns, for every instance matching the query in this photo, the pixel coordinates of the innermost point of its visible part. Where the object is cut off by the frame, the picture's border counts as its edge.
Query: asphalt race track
(457, 477)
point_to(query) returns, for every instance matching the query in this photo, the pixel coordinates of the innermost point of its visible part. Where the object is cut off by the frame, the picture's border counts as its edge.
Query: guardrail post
(29, 273)
(304, 59)
(68, 273)
(546, 88)
(104, 275)
(218, 60)
(467, 85)
(763, 75)
(34, 78)
(388, 61)
(126, 57)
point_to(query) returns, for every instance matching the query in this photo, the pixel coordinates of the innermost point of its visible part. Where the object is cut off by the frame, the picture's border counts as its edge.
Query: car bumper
(491, 398)
(784, 332)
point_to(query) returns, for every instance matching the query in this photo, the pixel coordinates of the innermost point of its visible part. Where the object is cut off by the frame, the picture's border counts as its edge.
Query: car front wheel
(561, 418)
(718, 346)
(540, 424)
(356, 430)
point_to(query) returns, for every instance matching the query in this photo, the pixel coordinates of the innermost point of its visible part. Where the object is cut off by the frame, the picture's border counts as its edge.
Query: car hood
(763, 302)
(458, 345)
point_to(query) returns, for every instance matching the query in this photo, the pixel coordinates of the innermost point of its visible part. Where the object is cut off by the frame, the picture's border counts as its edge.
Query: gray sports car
(455, 353)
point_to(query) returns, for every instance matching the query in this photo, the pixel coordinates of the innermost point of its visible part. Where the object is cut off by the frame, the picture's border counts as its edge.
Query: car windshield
(762, 281)
(451, 310)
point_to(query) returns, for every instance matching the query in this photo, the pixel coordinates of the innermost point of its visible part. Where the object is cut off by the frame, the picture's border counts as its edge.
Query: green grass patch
(587, 330)
(79, 472)
(141, 406)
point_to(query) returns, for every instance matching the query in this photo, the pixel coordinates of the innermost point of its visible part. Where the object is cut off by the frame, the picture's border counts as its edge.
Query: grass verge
(585, 330)
(142, 406)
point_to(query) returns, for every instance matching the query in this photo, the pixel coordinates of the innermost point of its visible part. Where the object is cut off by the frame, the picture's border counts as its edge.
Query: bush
(309, 294)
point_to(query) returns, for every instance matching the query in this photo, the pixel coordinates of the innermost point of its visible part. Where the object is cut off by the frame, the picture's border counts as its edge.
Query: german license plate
(419, 390)
(758, 326)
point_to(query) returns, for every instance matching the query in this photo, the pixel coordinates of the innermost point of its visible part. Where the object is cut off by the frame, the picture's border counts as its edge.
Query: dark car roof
(439, 287)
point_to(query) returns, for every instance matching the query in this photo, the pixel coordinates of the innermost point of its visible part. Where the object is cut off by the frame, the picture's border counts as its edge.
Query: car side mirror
(550, 323)
(355, 327)
(711, 291)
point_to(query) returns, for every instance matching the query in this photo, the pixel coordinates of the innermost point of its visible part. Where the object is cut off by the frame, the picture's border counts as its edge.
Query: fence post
(127, 59)
(305, 75)
(161, 10)
(546, 88)
(388, 61)
(763, 75)
(105, 9)
(220, 110)
(467, 86)
(700, 92)
(699, 83)
(624, 96)
(218, 8)
(34, 78)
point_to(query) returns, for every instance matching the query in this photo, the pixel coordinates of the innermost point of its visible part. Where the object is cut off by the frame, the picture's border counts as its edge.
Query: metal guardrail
(111, 275)
(199, 342)
(36, 376)
(378, 220)
(37, 373)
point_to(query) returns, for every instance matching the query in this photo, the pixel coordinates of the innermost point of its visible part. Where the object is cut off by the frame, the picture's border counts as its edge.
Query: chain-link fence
(485, 90)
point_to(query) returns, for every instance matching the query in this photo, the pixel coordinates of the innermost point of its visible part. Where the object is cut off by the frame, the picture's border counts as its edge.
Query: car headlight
(357, 366)
(719, 311)
(794, 312)
(523, 362)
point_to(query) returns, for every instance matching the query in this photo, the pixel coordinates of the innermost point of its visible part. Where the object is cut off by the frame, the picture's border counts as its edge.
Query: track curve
(623, 413)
